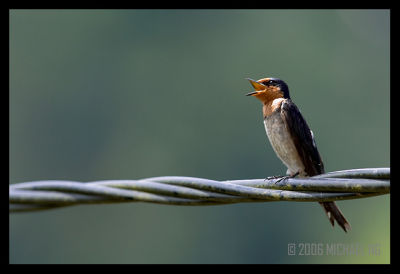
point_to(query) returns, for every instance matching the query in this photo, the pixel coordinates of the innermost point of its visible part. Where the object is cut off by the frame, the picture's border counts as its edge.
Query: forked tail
(334, 213)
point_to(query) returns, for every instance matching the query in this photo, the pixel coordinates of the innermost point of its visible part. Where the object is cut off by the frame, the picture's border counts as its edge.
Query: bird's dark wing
(302, 138)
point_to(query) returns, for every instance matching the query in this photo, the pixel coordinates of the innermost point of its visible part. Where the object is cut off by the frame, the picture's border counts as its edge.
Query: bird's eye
(270, 82)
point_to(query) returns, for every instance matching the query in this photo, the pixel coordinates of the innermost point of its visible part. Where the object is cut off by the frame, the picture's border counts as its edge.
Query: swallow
(291, 137)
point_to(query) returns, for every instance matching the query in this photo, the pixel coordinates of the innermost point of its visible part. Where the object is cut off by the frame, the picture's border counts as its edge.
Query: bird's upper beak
(257, 86)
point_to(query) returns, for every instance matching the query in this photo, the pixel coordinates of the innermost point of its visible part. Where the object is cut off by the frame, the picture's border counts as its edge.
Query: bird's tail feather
(334, 213)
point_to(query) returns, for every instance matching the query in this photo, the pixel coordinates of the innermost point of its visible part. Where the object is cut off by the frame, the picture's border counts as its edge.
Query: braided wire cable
(178, 190)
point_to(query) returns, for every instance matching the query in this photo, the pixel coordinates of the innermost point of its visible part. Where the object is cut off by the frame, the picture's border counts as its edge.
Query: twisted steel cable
(177, 190)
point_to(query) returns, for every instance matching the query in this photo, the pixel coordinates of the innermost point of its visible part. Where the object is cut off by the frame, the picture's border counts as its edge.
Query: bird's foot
(273, 177)
(281, 178)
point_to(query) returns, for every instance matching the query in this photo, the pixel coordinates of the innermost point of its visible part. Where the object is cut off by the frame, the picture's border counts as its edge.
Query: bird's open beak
(257, 86)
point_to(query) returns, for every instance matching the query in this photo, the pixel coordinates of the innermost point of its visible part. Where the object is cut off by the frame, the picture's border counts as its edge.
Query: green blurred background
(129, 94)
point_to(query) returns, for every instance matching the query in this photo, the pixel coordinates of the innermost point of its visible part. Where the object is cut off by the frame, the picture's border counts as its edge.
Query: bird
(291, 138)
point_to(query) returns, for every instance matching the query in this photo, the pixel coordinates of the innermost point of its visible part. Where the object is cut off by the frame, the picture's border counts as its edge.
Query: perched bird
(291, 138)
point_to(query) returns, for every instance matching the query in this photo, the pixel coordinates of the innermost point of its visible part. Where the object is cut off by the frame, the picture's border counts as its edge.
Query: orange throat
(270, 106)
(271, 98)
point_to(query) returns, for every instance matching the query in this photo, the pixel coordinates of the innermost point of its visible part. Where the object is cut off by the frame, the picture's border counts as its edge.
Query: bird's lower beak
(252, 93)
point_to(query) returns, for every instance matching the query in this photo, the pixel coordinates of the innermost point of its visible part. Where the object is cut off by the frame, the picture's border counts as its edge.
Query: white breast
(282, 143)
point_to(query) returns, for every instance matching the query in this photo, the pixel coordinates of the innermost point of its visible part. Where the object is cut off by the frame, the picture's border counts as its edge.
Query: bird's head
(268, 89)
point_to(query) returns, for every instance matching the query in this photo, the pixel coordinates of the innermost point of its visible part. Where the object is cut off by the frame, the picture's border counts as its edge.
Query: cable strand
(179, 190)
